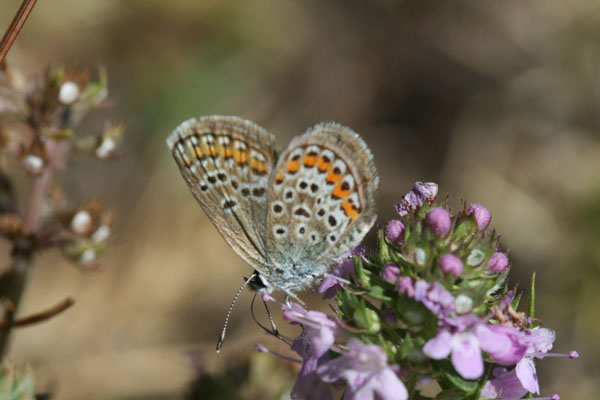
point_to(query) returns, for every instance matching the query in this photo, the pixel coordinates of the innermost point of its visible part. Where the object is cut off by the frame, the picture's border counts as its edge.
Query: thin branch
(39, 317)
(15, 27)
(39, 187)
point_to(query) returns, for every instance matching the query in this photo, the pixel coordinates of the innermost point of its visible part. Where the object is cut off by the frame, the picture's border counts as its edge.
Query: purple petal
(438, 347)
(539, 339)
(481, 214)
(506, 384)
(503, 343)
(466, 356)
(309, 386)
(439, 221)
(389, 387)
(490, 340)
(394, 232)
(526, 373)
(426, 190)
(335, 369)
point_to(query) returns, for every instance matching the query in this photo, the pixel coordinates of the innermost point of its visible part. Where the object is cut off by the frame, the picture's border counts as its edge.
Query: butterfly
(289, 215)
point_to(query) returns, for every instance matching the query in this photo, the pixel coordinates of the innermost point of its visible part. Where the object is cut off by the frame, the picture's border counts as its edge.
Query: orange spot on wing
(279, 177)
(323, 164)
(332, 177)
(240, 157)
(228, 152)
(293, 166)
(339, 192)
(262, 167)
(259, 166)
(199, 152)
(350, 210)
(310, 160)
(213, 149)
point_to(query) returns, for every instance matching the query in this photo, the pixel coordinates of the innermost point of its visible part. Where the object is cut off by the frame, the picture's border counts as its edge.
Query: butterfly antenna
(237, 294)
(273, 330)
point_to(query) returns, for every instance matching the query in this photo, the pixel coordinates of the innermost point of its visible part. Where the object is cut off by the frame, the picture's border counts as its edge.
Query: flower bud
(405, 286)
(81, 222)
(439, 221)
(476, 257)
(420, 256)
(498, 262)
(101, 234)
(106, 148)
(394, 232)
(450, 264)
(87, 257)
(389, 318)
(426, 190)
(367, 319)
(68, 93)
(33, 163)
(481, 214)
(464, 304)
(390, 272)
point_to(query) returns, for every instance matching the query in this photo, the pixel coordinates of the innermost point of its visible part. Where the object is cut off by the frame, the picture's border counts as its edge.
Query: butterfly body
(291, 215)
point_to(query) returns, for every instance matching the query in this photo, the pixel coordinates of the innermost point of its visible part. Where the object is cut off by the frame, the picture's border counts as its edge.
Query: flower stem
(15, 27)
(12, 283)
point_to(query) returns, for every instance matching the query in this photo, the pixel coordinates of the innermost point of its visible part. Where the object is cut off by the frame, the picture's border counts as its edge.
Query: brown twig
(15, 27)
(39, 317)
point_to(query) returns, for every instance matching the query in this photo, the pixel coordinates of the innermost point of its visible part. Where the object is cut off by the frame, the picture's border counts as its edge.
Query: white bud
(68, 93)
(81, 222)
(101, 234)
(33, 164)
(420, 256)
(475, 258)
(463, 304)
(87, 256)
(106, 148)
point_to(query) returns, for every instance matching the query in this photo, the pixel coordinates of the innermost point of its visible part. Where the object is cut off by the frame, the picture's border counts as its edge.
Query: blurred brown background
(498, 102)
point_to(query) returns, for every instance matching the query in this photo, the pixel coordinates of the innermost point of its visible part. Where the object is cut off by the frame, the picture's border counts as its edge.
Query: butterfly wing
(321, 204)
(227, 162)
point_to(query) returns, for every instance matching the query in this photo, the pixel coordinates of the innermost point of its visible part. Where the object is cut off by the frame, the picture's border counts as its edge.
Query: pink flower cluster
(363, 367)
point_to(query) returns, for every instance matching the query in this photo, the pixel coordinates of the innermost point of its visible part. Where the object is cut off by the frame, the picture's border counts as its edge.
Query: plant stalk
(15, 27)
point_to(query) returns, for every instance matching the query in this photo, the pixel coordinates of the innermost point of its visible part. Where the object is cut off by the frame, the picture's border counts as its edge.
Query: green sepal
(465, 229)
(361, 273)
(16, 385)
(451, 380)
(450, 394)
(366, 319)
(532, 300)
(60, 134)
(377, 292)
(384, 248)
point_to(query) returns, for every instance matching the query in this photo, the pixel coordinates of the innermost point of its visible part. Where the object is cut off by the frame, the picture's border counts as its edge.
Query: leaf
(61, 134)
(451, 380)
(377, 292)
(361, 272)
(532, 300)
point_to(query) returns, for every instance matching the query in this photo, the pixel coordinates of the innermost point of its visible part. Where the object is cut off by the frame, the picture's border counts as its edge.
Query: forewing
(227, 162)
(321, 197)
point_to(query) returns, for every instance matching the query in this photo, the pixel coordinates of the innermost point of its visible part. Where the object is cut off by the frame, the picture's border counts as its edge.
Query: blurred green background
(496, 101)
